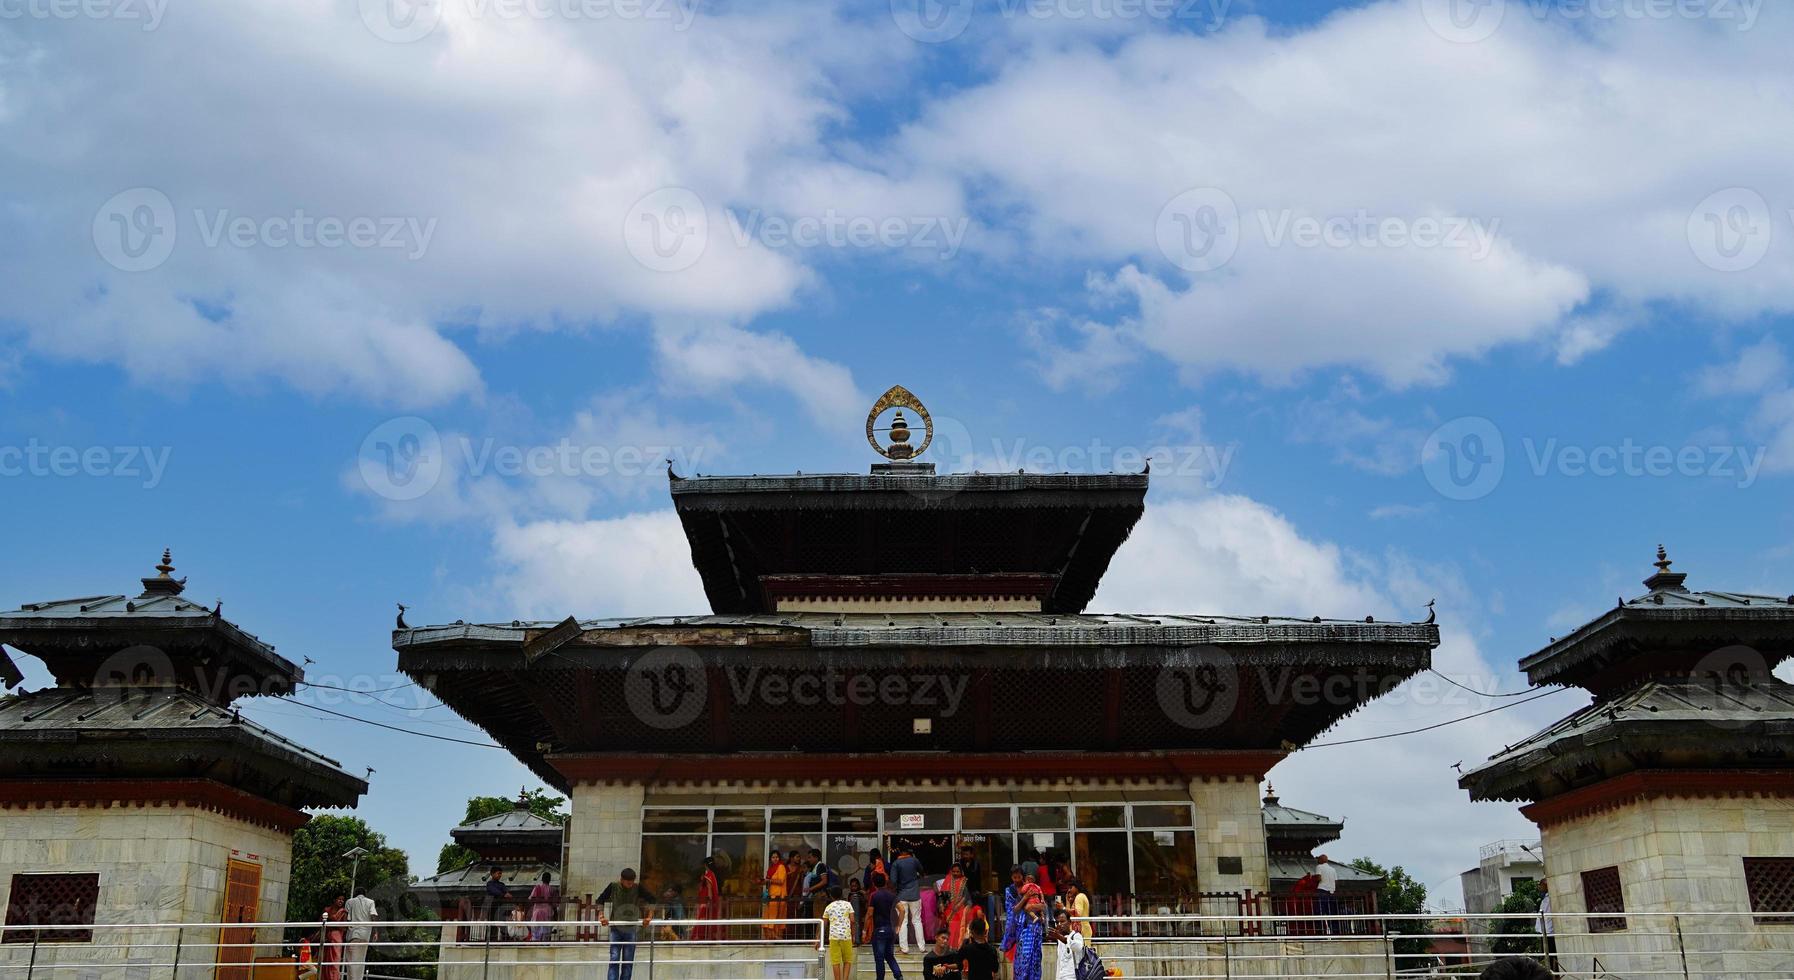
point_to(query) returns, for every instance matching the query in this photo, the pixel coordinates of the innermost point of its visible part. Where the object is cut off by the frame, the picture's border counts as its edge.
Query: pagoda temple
(1293, 839)
(1672, 793)
(902, 658)
(520, 844)
(133, 790)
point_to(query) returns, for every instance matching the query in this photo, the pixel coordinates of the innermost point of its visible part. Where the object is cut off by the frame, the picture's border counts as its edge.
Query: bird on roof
(308, 661)
(400, 622)
(1432, 616)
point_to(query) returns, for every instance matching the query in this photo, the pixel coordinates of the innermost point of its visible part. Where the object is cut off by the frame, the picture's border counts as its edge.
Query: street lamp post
(356, 853)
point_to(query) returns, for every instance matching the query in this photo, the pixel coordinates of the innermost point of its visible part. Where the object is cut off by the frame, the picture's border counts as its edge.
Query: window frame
(20, 930)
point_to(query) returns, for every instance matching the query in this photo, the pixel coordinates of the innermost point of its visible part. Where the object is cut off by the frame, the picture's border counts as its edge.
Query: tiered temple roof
(145, 692)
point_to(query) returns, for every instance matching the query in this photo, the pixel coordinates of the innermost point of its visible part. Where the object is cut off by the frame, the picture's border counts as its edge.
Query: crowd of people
(339, 949)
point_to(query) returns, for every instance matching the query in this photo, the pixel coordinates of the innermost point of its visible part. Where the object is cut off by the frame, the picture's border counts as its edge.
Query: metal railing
(1691, 946)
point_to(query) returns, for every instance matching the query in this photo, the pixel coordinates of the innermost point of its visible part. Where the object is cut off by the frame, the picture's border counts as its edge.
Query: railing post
(31, 964)
(1227, 955)
(180, 935)
(1681, 947)
(486, 967)
(1388, 952)
(650, 933)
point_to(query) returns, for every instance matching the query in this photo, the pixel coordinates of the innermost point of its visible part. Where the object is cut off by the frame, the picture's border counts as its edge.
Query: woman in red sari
(334, 934)
(710, 903)
(956, 907)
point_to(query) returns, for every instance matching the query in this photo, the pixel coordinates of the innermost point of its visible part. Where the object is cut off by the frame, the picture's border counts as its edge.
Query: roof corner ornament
(899, 449)
(1432, 615)
(400, 622)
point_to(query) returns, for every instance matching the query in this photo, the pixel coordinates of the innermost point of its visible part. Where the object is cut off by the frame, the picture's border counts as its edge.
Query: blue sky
(1594, 253)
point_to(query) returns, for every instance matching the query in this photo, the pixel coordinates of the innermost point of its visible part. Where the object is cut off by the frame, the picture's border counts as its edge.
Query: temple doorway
(936, 851)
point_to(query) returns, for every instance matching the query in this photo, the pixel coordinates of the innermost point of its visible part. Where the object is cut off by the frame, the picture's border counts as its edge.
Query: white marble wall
(1680, 856)
(156, 865)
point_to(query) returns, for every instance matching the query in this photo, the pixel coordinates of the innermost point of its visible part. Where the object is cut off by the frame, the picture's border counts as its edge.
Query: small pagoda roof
(1290, 824)
(1295, 867)
(516, 831)
(1664, 632)
(1705, 723)
(158, 631)
(162, 733)
(903, 521)
(469, 881)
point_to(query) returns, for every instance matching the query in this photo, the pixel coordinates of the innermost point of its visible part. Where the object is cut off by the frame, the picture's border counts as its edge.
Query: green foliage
(320, 872)
(541, 804)
(1523, 908)
(1401, 895)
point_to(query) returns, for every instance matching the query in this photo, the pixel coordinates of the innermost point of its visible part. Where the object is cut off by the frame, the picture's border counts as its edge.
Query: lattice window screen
(1601, 891)
(1771, 885)
(52, 900)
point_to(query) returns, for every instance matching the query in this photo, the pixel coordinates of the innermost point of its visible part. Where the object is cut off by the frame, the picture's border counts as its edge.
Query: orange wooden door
(242, 901)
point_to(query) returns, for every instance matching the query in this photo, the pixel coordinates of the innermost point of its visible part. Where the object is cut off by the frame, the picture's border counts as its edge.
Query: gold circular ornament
(899, 397)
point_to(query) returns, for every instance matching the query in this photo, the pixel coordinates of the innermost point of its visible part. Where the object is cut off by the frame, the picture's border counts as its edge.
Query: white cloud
(703, 357)
(555, 569)
(1760, 371)
(522, 144)
(1370, 113)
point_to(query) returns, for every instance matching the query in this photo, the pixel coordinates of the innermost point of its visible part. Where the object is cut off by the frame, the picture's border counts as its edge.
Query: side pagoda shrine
(903, 659)
(1672, 794)
(521, 845)
(134, 791)
(1293, 839)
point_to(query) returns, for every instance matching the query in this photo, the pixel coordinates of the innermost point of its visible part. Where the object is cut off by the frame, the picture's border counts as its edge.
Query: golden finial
(899, 397)
(1662, 561)
(167, 566)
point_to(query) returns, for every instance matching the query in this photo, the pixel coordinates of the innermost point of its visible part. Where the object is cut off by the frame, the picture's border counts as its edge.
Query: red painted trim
(981, 767)
(36, 794)
(1017, 584)
(1659, 784)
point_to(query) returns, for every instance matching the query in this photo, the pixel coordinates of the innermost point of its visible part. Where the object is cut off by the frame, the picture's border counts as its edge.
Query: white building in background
(1500, 868)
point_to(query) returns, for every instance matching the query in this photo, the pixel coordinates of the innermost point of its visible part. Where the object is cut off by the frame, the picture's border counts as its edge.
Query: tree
(1401, 895)
(1522, 907)
(540, 803)
(320, 872)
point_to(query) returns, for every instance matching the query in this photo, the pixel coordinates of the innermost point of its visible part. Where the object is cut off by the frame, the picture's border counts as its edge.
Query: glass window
(740, 821)
(1046, 855)
(995, 854)
(852, 819)
(1162, 815)
(1043, 818)
(1164, 863)
(740, 862)
(788, 842)
(931, 818)
(986, 818)
(800, 821)
(1102, 862)
(672, 861)
(849, 854)
(1094, 817)
(675, 821)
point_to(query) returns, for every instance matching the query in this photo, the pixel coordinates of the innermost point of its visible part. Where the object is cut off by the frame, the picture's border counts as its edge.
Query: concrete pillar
(1229, 824)
(606, 836)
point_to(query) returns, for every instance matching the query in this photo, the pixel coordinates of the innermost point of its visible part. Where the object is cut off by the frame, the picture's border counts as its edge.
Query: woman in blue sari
(1030, 934)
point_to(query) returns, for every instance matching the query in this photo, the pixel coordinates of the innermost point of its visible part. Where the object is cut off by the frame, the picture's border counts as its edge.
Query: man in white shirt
(362, 915)
(1327, 890)
(1547, 927)
(1069, 945)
